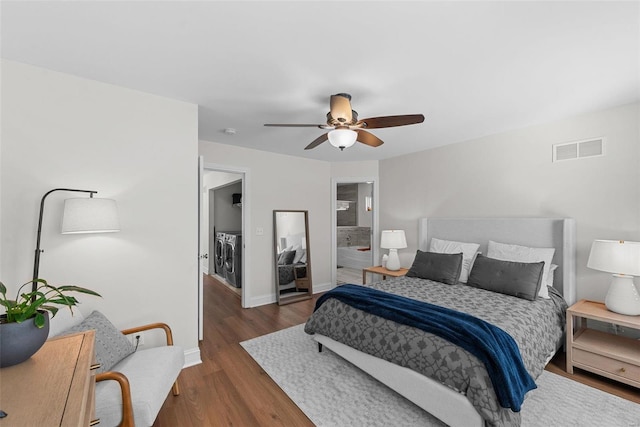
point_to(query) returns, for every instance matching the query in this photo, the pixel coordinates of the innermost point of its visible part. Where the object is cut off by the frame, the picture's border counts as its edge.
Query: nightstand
(602, 353)
(383, 271)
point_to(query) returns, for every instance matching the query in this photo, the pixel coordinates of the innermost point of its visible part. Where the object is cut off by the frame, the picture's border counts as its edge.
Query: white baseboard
(322, 287)
(192, 357)
(261, 300)
(269, 299)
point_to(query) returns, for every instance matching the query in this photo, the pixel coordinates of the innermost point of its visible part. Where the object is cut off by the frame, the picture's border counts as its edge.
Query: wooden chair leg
(175, 388)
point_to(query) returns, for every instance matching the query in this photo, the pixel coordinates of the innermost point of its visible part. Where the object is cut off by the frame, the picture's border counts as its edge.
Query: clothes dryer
(233, 259)
(218, 255)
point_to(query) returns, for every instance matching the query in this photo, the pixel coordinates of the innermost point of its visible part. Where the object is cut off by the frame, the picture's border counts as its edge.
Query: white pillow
(299, 254)
(519, 253)
(552, 270)
(468, 250)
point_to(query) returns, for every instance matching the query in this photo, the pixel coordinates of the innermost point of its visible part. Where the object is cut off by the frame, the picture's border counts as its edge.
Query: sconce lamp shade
(623, 260)
(393, 239)
(342, 138)
(90, 215)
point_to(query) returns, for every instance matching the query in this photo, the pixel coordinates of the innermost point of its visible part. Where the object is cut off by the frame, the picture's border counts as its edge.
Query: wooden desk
(55, 387)
(383, 271)
(612, 356)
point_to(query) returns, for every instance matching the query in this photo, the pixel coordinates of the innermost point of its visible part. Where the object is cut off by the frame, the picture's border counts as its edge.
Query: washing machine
(218, 255)
(233, 259)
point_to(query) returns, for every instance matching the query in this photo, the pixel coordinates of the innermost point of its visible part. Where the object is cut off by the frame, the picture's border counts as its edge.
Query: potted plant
(25, 325)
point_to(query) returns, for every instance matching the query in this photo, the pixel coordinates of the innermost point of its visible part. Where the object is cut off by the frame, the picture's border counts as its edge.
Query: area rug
(333, 392)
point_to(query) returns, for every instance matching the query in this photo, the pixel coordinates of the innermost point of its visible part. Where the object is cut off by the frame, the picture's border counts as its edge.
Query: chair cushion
(151, 373)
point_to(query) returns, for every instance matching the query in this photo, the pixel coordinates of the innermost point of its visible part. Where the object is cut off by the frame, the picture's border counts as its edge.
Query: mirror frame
(298, 296)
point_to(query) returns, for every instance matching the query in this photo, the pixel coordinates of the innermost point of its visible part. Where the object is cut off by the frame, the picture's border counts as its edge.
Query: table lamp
(393, 240)
(623, 260)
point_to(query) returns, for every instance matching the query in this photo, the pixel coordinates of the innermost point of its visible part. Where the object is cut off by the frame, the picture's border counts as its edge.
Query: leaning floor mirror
(292, 256)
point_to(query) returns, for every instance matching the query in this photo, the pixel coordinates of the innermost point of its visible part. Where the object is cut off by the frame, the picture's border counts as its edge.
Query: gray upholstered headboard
(558, 233)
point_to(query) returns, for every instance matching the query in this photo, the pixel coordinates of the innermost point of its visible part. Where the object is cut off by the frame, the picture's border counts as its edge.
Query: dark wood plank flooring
(230, 389)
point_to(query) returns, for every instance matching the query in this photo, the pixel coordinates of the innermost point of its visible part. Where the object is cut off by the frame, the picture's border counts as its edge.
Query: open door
(202, 253)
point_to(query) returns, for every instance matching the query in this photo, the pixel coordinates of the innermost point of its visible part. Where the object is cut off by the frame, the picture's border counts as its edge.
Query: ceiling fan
(346, 129)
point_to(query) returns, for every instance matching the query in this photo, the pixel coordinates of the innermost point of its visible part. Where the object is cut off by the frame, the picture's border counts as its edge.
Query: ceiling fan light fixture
(342, 138)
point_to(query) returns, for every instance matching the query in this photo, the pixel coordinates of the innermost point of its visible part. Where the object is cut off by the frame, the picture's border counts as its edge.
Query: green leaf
(27, 303)
(73, 288)
(39, 320)
(50, 308)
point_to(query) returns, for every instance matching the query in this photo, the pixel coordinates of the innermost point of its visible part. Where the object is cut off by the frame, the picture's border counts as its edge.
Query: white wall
(511, 175)
(140, 149)
(278, 182)
(367, 168)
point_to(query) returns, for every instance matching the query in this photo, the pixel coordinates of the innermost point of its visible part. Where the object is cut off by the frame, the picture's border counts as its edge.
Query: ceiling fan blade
(368, 138)
(341, 108)
(289, 125)
(391, 121)
(319, 140)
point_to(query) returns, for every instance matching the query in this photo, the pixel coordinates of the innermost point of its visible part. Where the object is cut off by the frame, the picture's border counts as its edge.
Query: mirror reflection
(292, 256)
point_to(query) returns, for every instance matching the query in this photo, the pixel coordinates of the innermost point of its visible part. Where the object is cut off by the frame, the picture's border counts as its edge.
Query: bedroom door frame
(246, 236)
(375, 234)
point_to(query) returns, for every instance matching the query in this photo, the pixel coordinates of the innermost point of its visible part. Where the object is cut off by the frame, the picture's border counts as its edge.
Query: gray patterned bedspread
(536, 326)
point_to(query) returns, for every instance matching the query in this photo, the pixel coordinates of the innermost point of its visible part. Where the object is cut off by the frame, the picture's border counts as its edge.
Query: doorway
(224, 228)
(234, 181)
(354, 228)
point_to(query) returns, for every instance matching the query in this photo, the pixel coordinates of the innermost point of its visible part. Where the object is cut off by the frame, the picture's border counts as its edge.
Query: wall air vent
(578, 150)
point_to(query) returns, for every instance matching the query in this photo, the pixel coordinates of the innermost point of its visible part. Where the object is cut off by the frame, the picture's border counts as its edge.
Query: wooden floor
(230, 389)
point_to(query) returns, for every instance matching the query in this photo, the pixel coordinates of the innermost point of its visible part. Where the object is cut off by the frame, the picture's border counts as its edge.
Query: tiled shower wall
(354, 236)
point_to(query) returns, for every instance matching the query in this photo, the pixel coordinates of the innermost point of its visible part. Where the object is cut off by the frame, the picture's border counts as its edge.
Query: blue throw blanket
(493, 346)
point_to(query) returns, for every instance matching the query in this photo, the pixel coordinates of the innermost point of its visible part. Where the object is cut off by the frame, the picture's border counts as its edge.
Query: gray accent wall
(226, 217)
(512, 175)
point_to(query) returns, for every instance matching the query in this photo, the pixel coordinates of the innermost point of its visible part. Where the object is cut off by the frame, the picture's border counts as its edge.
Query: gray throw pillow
(439, 267)
(111, 345)
(286, 257)
(519, 279)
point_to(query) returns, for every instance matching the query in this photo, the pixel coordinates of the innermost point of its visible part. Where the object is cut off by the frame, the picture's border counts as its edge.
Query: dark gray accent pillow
(519, 279)
(286, 257)
(111, 345)
(443, 268)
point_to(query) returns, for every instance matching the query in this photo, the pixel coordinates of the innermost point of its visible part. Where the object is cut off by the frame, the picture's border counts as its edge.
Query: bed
(451, 383)
(289, 273)
(292, 267)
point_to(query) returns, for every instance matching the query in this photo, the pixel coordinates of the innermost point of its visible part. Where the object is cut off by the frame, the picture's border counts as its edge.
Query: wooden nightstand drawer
(606, 364)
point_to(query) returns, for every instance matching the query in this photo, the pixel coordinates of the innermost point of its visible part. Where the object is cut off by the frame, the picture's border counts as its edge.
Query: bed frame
(439, 400)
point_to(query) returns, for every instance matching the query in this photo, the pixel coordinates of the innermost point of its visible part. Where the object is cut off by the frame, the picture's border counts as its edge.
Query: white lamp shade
(342, 138)
(90, 215)
(615, 256)
(393, 239)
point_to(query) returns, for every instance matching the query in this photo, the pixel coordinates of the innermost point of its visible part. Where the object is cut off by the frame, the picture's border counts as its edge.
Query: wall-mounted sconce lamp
(81, 215)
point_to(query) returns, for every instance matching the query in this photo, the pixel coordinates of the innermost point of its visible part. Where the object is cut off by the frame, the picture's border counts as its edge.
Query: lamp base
(393, 263)
(623, 296)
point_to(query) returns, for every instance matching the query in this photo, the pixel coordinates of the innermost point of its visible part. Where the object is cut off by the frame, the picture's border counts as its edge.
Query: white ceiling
(472, 68)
